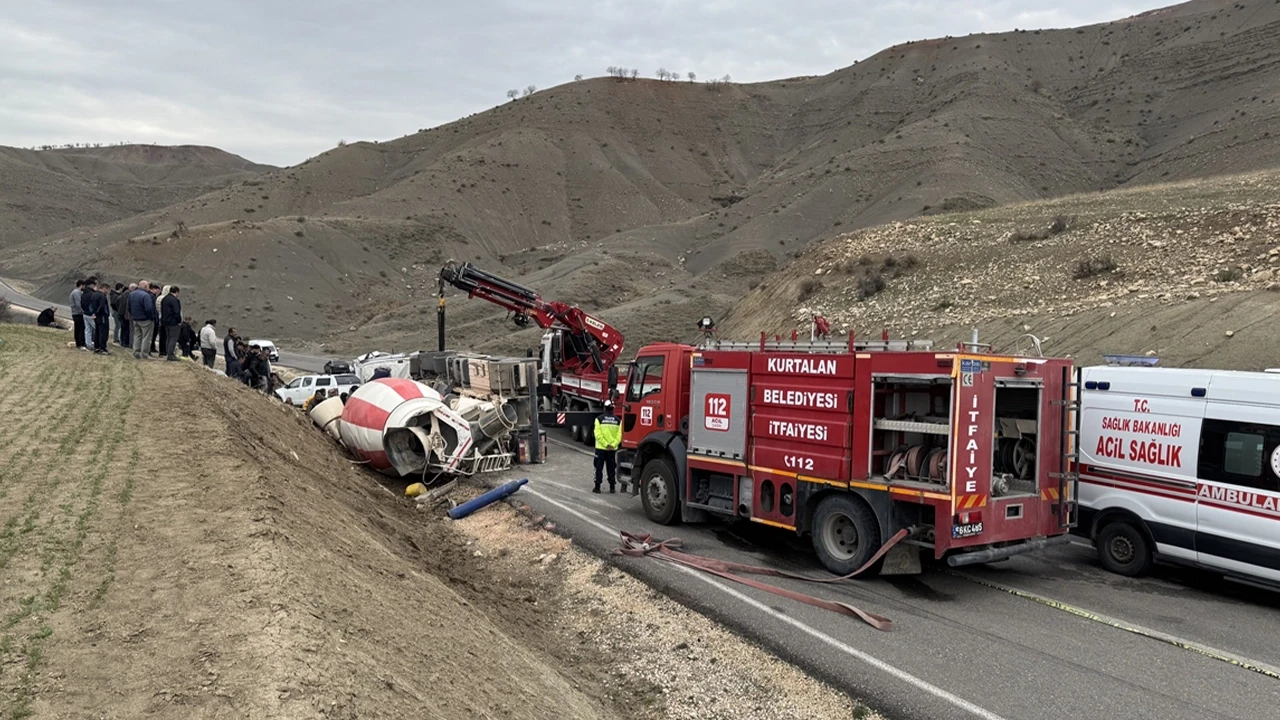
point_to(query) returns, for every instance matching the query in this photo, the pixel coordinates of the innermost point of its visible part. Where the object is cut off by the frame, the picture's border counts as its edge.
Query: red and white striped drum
(378, 405)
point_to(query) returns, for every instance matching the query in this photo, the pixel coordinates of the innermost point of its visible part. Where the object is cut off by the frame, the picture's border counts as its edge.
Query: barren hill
(601, 177)
(49, 191)
(1187, 271)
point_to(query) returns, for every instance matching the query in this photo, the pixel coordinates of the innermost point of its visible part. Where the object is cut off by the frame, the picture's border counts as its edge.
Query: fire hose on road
(643, 545)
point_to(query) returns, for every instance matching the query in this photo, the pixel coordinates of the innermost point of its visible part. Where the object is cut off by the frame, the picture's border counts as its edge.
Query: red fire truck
(851, 442)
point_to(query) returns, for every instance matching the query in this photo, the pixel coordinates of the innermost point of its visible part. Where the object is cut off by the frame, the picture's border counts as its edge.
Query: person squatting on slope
(608, 431)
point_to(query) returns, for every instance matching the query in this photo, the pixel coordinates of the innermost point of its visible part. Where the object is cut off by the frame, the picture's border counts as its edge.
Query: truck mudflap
(977, 557)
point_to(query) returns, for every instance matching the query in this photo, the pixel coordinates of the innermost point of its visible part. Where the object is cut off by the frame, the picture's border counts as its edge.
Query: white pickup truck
(304, 386)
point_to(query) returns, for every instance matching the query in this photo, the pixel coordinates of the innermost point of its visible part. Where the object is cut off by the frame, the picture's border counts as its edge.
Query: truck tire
(659, 493)
(845, 533)
(589, 433)
(1124, 549)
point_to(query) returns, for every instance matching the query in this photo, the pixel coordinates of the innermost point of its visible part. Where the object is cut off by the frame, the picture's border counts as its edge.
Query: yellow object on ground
(415, 490)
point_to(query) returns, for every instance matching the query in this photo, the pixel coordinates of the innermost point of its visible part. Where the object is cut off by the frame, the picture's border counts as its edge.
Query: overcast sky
(279, 81)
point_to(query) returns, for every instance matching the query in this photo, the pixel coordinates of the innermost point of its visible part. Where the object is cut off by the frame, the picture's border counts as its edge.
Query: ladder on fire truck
(795, 345)
(1067, 506)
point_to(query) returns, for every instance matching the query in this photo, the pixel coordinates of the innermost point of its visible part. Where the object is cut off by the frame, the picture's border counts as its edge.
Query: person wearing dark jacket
(46, 319)
(101, 319)
(142, 308)
(92, 304)
(86, 295)
(126, 322)
(77, 315)
(171, 319)
(187, 340)
(113, 301)
(230, 353)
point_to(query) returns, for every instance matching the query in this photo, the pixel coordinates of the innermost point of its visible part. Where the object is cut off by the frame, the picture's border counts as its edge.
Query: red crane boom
(593, 345)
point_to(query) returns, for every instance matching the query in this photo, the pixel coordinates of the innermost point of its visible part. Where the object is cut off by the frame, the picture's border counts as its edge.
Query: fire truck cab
(848, 443)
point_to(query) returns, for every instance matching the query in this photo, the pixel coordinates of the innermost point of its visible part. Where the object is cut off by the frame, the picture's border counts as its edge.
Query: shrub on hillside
(1092, 267)
(809, 288)
(6, 311)
(872, 274)
(1229, 275)
(1060, 224)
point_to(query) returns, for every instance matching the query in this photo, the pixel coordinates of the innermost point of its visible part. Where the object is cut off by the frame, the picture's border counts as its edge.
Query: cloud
(281, 80)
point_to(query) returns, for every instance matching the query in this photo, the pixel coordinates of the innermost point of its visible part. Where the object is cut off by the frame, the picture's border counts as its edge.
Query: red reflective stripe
(365, 414)
(407, 389)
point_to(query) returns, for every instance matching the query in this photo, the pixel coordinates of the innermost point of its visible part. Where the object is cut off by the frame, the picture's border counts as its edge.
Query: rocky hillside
(608, 178)
(43, 192)
(1187, 271)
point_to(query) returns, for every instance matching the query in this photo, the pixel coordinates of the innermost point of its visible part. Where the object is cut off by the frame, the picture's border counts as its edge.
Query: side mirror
(613, 378)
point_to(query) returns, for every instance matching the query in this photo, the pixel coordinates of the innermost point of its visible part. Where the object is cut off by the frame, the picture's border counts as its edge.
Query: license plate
(964, 531)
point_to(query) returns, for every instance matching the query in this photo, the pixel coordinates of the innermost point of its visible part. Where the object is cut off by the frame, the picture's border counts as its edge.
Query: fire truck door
(644, 411)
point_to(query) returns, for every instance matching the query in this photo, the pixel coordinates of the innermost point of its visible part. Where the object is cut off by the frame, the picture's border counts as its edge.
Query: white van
(1181, 465)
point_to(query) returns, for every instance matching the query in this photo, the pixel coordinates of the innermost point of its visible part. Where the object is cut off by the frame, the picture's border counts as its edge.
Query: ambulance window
(1237, 453)
(646, 378)
(1243, 454)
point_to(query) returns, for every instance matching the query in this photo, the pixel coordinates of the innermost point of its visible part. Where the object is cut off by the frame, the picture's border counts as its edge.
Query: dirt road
(174, 545)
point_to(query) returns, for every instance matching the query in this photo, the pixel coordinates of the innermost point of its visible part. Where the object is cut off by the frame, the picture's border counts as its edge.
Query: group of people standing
(147, 315)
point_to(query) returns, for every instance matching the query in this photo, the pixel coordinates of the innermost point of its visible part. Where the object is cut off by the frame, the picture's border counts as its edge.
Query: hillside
(576, 187)
(269, 576)
(44, 192)
(1186, 271)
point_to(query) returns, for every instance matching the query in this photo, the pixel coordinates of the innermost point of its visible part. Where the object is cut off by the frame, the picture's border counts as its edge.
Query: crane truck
(578, 354)
(850, 442)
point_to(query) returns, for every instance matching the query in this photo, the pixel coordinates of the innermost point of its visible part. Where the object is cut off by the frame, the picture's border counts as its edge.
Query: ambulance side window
(1237, 453)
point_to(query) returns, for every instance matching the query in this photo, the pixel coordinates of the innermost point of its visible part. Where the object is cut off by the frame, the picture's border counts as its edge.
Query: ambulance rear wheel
(1123, 549)
(845, 533)
(658, 492)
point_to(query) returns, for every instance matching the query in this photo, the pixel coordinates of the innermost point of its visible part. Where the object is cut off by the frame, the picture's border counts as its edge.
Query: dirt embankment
(175, 545)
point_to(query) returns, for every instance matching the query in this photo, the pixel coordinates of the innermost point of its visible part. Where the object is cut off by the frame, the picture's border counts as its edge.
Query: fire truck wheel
(1123, 549)
(845, 533)
(658, 492)
(589, 435)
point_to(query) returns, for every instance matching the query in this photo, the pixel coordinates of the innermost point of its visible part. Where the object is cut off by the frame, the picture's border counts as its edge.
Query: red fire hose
(643, 545)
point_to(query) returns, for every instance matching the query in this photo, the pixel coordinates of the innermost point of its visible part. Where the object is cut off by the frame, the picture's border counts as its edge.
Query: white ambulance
(1181, 465)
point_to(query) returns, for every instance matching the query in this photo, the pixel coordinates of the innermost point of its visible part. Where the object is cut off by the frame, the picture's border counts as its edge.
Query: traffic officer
(608, 431)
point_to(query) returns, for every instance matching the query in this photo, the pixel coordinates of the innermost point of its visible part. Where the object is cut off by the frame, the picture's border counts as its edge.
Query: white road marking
(874, 662)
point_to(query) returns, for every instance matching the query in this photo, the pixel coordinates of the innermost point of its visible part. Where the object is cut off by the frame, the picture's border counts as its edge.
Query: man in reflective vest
(608, 431)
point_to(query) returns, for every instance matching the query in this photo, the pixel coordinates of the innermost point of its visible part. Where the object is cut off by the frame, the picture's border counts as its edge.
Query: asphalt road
(966, 644)
(308, 363)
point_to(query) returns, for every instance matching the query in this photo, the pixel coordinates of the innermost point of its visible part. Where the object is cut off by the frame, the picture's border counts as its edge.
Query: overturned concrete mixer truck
(402, 427)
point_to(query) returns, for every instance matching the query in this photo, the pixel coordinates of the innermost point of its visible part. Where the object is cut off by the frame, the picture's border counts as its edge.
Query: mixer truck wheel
(658, 491)
(845, 533)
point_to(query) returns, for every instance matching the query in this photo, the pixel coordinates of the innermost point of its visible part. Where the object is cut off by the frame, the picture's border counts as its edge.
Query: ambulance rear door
(1238, 498)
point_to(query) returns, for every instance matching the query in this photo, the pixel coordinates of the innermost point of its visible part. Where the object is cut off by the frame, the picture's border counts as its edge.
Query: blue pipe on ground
(488, 498)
